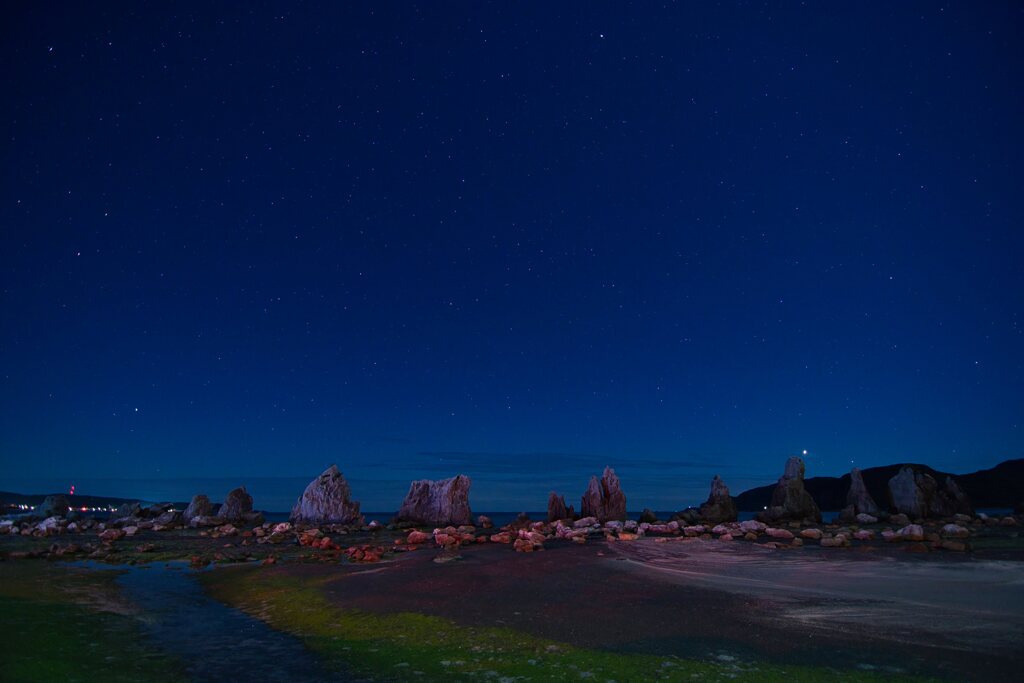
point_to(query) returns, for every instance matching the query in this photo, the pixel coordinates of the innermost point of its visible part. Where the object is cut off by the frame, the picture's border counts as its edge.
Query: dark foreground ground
(688, 609)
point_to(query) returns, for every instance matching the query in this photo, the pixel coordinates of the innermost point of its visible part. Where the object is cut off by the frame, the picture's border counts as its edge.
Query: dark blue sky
(515, 241)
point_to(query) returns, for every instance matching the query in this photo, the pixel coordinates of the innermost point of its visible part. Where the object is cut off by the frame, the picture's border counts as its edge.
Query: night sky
(518, 241)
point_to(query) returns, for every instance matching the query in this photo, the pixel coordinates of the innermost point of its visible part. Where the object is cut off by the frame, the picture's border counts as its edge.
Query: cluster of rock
(917, 495)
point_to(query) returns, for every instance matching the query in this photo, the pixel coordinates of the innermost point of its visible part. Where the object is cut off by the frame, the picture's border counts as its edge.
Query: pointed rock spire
(720, 506)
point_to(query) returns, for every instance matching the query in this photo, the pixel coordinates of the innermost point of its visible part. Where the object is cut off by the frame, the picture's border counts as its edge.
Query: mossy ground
(63, 625)
(410, 646)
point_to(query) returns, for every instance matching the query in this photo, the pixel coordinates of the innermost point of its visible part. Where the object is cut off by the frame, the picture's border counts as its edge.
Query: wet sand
(718, 601)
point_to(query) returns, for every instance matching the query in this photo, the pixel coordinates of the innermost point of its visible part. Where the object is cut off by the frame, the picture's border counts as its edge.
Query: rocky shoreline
(923, 516)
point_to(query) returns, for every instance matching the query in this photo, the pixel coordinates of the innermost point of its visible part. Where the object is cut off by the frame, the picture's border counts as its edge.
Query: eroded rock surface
(437, 503)
(556, 507)
(200, 506)
(790, 500)
(720, 506)
(237, 505)
(917, 495)
(327, 500)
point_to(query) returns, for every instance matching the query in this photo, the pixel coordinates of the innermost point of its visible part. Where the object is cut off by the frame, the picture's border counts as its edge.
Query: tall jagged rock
(237, 505)
(917, 495)
(604, 499)
(437, 503)
(859, 497)
(719, 507)
(327, 501)
(200, 506)
(790, 500)
(556, 507)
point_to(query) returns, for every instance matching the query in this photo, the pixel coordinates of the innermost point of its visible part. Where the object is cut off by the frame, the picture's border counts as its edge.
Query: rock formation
(326, 501)
(237, 505)
(719, 507)
(604, 499)
(917, 495)
(858, 500)
(200, 506)
(961, 504)
(790, 500)
(437, 503)
(556, 507)
(53, 506)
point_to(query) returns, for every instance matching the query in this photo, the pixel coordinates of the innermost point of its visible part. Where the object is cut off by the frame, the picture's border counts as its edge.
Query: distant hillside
(999, 487)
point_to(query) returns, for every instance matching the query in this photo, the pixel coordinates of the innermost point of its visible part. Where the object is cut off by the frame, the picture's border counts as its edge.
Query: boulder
(585, 522)
(784, 534)
(955, 531)
(484, 522)
(899, 519)
(865, 518)
(417, 537)
(124, 511)
(752, 525)
(437, 503)
(237, 505)
(155, 510)
(689, 516)
(556, 507)
(859, 497)
(790, 500)
(327, 500)
(648, 517)
(200, 506)
(604, 499)
(720, 506)
(911, 532)
(168, 519)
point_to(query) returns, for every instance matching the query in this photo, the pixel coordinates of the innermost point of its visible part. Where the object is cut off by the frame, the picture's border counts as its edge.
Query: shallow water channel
(215, 642)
